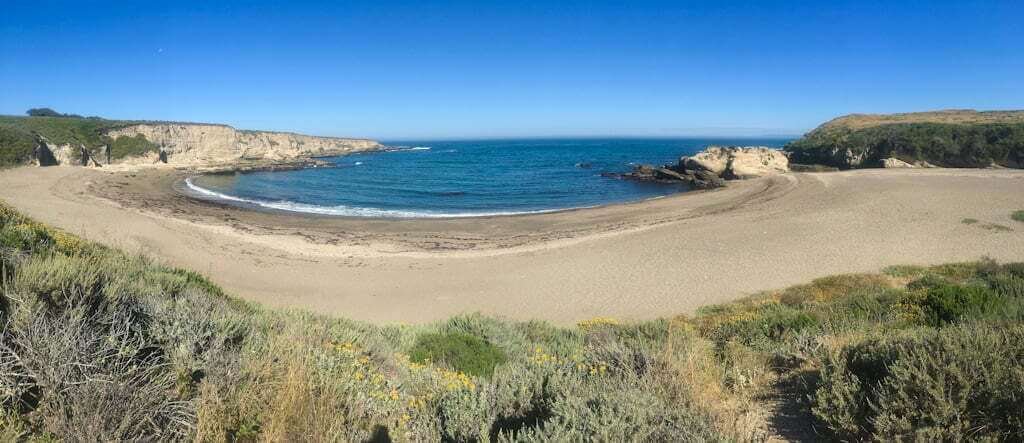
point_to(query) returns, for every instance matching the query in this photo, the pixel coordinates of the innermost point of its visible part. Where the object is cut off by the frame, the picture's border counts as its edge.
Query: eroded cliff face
(215, 145)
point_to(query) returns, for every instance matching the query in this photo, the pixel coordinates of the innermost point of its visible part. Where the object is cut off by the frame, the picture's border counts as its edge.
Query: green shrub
(628, 409)
(770, 323)
(904, 271)
(860, 309)
(949, 385)
(1015, 269)
(24, 237)
(928, 281)
(950, 303)
(828, 288)
(1018, 215)
(462, 352)
(958, 272)
(122, 147)
(1008, 286)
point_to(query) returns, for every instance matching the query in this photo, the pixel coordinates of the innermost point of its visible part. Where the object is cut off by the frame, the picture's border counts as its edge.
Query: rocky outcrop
(756, 162)
(43, 154)
(217, 145)
(895, 163)
(713, 159)
(709, 168)
(736, 162)
(47, 153)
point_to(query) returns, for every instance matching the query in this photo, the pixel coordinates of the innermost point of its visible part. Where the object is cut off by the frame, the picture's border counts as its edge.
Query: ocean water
(463, 178)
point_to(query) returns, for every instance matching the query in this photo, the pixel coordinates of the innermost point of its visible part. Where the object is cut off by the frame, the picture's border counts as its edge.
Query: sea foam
(346, 211)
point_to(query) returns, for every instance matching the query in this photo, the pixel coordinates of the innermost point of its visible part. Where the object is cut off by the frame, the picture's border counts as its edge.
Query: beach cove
(630, 261)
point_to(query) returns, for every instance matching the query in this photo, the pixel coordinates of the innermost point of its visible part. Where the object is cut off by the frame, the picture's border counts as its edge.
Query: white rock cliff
(211, 145)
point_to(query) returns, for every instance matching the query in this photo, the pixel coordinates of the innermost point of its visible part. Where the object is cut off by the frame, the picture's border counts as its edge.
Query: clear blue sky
(422, 69)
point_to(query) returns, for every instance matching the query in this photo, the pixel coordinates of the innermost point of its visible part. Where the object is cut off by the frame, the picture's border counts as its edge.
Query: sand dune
(642, 260)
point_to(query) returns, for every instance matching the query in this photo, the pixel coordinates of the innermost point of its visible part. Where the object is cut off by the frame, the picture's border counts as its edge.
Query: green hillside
(946, 138)
(17, 141)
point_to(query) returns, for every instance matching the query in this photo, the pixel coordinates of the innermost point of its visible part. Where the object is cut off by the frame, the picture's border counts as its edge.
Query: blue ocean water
(464, 178)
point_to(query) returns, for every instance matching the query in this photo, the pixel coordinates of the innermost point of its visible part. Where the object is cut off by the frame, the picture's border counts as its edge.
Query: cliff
(209, 145)
(953, 138)
(64, 140)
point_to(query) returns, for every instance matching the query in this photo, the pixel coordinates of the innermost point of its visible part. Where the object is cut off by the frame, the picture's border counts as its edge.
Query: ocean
(465, 178)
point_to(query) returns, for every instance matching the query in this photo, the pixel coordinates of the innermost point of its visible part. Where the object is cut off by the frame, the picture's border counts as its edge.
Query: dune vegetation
(1018, 215)
(119, 347)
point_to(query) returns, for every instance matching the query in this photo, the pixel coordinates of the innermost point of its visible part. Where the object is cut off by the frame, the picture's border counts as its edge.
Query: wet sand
(642, 260)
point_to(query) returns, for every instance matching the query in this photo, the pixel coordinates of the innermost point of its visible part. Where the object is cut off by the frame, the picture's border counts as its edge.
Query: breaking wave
(347, 211)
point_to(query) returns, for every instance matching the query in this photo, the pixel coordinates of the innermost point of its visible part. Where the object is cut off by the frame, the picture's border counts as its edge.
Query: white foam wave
(349, 211)
(406, 148)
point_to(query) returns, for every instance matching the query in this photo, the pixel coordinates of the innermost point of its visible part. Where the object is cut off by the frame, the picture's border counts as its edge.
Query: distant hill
(951, 138)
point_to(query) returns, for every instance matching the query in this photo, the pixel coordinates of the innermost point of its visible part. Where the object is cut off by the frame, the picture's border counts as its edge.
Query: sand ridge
(642, 260)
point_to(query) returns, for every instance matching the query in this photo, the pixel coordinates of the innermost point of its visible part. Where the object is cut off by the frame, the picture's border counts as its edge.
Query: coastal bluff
(950, 139)
(212, 145)
(66, 140)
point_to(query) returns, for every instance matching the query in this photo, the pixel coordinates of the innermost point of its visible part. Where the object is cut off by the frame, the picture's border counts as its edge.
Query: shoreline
(158, 192)
(632, 261)
(186, 187)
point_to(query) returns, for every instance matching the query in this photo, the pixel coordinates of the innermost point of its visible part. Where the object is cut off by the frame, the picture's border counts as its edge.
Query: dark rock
(42, 153)
(668, 175)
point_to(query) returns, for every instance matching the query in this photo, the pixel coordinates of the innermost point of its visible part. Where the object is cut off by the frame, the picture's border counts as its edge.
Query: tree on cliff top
(47, 112)
(42, 112)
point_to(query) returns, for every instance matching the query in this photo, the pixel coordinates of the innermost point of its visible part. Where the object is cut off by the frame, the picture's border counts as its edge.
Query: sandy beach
(633, 261)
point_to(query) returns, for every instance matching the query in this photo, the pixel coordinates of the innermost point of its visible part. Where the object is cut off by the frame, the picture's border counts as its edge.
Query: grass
(118, 347)
(863, 121)
(996, 227)
(1018, 216)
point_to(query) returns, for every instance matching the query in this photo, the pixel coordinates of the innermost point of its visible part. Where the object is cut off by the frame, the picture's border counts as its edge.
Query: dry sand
(643, 260)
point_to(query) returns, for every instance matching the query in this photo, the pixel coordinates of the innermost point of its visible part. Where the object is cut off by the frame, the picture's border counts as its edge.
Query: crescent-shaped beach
(632, 261)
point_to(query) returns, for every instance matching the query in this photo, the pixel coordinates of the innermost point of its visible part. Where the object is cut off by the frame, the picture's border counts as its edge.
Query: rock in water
(668, 174)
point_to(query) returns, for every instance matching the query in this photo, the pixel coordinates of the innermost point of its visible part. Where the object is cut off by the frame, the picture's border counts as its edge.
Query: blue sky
(420, 69)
